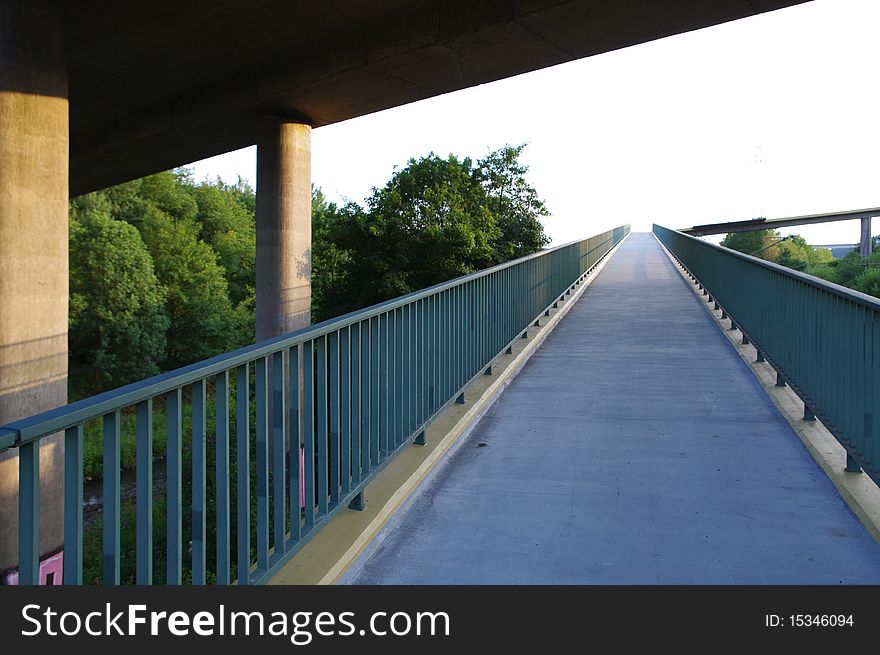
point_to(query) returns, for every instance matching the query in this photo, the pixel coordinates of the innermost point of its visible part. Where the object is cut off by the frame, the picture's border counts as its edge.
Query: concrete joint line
(856, 489)
(461, 429)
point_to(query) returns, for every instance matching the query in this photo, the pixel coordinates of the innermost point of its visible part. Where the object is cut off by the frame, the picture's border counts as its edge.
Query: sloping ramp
(634, 447)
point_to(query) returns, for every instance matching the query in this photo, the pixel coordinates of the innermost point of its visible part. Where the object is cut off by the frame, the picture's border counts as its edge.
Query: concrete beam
(34, 149)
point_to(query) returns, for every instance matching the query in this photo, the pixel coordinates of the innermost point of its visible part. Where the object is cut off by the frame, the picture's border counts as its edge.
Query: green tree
(752, 242)
(868, 282)
(436, 219)
(514, 203)
(330, 261)
(170, 192)
(796, 253)
(118, 321)
(230, 229)
(203, 322)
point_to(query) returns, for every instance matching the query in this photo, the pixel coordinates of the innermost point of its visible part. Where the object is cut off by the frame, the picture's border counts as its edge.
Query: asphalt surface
(635, 447)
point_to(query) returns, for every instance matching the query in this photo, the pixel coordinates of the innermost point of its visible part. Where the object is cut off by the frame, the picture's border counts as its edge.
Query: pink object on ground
(51, 571)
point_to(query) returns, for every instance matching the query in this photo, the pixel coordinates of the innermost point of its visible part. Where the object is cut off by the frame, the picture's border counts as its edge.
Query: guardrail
(339, 398)
(823, 339)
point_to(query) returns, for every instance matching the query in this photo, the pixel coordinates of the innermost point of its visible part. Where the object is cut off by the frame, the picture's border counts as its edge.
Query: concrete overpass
(154, 85)
(93, 93)
(751, 225)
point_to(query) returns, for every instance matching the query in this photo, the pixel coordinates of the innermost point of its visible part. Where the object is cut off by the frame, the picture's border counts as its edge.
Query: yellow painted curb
(856, 489)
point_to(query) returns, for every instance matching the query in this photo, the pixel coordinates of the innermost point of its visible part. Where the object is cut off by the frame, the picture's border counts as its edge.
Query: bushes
(161, 275)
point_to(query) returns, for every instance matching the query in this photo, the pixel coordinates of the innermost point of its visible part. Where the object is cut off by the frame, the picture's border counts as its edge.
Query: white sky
(776, 115)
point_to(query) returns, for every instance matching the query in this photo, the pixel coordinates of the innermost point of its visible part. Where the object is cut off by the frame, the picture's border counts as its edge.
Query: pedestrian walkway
(635, 447)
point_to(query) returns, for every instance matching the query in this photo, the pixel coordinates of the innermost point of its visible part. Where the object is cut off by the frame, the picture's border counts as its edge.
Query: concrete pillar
(34, 138)
(865, 243)
(284, 227)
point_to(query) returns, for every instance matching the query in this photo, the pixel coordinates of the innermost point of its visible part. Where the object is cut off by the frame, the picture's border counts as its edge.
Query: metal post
(357, 503)
(780, 382)
(851, 465)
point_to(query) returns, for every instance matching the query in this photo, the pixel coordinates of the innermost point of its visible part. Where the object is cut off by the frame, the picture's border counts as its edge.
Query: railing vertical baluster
(419, 349)
(29, 513)
(470, 289)
(261, 397)
(199, 481)
(295, 459)
(333, 416)
(370, 341)
(174, 487)
(73, 505)
(448, 364)
(308, 409)
(355, 415)
(411, 387)
(391, 382)
(279, 473)
(399, 344)
(452, 339)
(441, 352)
(377, 392)
(221, 475)
(386, 392)
(345, 401)
(321, 423)
(461, 326)
(242, 465)
(111, 499)
(428, 354)
(144, 483)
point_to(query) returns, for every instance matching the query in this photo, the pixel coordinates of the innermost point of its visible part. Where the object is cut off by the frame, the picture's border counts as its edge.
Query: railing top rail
(60, 418)
(848, 294)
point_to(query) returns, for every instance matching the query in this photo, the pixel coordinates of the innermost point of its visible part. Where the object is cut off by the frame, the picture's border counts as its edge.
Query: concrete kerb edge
(856, 489)
(459, 432)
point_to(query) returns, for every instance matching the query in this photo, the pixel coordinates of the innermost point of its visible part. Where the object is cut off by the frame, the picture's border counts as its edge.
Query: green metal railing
(339, 399)
(823, 339)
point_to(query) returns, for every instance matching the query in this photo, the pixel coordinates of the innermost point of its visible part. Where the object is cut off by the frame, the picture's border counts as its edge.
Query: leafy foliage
(161, 275)
(436, 219)
(853, 271)
(755, 242)
(118, 321)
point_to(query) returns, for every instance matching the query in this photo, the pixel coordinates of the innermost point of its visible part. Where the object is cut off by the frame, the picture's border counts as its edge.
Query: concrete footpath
(634, 447)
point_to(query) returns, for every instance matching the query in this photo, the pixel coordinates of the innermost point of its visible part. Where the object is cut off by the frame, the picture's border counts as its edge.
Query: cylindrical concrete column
(865, 243)
(34, 139)
(284, 227)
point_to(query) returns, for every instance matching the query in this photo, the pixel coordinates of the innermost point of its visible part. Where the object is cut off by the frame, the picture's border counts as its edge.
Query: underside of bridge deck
(159, 84)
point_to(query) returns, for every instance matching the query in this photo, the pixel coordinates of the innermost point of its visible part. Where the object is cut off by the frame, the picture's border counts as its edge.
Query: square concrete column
(866, 244)
(34, 138)
(284, 227)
